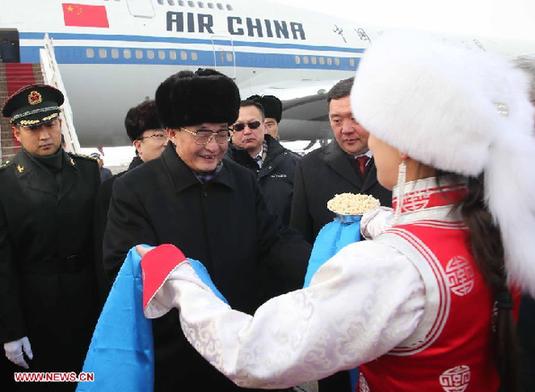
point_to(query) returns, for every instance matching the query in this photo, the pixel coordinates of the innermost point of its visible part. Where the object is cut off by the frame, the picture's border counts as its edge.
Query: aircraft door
(9, 46)
(141, 8)
(224, 55)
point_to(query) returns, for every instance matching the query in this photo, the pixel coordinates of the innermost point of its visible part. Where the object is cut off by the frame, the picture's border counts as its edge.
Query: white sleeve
(360, 304)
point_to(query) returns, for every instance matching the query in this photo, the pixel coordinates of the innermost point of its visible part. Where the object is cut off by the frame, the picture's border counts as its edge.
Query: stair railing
(52, 76)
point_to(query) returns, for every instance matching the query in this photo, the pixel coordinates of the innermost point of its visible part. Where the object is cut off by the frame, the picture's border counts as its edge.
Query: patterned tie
(362, 162)
(258, 160)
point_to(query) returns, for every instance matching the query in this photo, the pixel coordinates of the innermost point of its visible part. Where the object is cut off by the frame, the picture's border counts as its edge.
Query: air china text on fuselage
(189, 22)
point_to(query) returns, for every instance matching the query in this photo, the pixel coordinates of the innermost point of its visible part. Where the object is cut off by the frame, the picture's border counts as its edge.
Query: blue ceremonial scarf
(331, 238)
(121, 353)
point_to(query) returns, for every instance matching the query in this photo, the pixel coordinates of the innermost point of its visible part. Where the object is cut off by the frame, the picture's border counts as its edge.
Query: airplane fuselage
(113, 54)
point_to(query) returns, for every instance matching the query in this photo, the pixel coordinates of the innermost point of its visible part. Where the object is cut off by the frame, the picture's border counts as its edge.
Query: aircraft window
(337, 61)
(160, 2)
(191, 3)
(313, 60)
(229, 7)
(127, 53)
(352, 62)
(230, 57)
(150, 54)
(171, 2)
(89, 53)
(297, 60)
(194, 56)
(115, 53)
(181, 3)
(161, 54)
(305, 59)
(329, 61)
(322, 60)
(172, 55)
(183, 55)
(200, 4)
(220, 6)
(211, 5)
(139, 54)
(102, 53)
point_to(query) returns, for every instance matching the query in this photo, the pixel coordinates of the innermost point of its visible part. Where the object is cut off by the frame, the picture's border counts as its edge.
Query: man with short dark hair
(149, 139)
(273, 164)
(47, 278)
(344, 165)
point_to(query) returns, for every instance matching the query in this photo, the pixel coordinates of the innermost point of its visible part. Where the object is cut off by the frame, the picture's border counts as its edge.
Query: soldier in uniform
(47, 278)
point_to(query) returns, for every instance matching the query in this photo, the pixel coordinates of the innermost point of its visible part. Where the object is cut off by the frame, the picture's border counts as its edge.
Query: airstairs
(13, 76)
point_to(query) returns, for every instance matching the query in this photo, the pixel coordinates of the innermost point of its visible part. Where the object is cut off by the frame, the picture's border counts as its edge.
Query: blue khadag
(121, 353)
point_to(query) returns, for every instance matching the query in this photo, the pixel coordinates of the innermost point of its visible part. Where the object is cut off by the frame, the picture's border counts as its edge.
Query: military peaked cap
(33, 105)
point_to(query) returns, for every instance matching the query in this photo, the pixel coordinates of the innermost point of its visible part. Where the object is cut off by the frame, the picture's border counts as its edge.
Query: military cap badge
(34, 97)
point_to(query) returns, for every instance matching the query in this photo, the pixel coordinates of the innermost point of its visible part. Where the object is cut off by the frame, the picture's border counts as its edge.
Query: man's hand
(142, 250)
(16, 349)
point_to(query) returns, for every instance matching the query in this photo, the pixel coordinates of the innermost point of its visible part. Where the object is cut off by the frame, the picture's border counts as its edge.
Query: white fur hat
(461, 110)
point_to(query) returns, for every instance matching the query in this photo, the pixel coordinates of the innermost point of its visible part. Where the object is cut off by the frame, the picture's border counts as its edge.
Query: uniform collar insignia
(72, 161)
(20, 168)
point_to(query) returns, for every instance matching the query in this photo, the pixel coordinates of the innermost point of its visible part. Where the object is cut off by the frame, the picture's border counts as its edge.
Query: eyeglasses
(155, 136)
(238, 127)
(202, 136)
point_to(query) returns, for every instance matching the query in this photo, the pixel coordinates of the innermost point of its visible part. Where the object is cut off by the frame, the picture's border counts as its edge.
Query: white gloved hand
(16, 349)
(376, 221)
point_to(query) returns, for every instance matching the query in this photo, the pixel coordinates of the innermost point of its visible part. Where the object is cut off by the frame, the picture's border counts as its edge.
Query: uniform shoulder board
(73, 155)
(5, 164)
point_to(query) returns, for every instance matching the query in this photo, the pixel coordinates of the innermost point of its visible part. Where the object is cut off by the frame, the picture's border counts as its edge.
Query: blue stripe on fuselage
(175, 40)
(116, 55)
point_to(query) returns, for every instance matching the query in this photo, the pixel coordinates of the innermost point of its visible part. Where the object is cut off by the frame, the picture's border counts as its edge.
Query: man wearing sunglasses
(210, 207)
(273, 164)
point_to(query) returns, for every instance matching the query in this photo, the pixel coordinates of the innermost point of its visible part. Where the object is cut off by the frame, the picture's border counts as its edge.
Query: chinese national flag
(83, 15)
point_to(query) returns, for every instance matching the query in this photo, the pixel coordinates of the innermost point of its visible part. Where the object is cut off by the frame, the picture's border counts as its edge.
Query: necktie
(258, 160)
(362, 162)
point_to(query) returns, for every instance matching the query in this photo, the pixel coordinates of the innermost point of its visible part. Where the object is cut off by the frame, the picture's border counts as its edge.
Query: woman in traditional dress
(426, 303)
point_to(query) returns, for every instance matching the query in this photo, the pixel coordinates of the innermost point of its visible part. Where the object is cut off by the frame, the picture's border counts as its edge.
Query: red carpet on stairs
(18, 75)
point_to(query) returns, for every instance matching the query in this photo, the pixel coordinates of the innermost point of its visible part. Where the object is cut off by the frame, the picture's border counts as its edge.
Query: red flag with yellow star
(83, 15)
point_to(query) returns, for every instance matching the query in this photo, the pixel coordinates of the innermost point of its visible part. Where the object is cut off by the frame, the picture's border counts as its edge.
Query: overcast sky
(491, 18)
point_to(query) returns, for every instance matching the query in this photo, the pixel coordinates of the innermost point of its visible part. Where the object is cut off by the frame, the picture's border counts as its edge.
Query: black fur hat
(189, 98)
(271, 104)
(141, 118)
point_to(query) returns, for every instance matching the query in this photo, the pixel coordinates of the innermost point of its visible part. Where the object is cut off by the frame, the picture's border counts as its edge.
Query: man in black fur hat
(272, 113)
(209, 207)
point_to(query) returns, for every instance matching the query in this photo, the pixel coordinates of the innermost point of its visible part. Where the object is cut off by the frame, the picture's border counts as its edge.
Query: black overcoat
(47, 282)
(224, 224)
(319, 176)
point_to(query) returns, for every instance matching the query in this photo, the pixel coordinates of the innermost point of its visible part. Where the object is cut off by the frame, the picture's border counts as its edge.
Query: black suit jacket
(320, 175)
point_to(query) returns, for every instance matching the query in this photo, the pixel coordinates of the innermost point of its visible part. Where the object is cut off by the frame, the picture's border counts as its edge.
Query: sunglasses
(238, 127)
